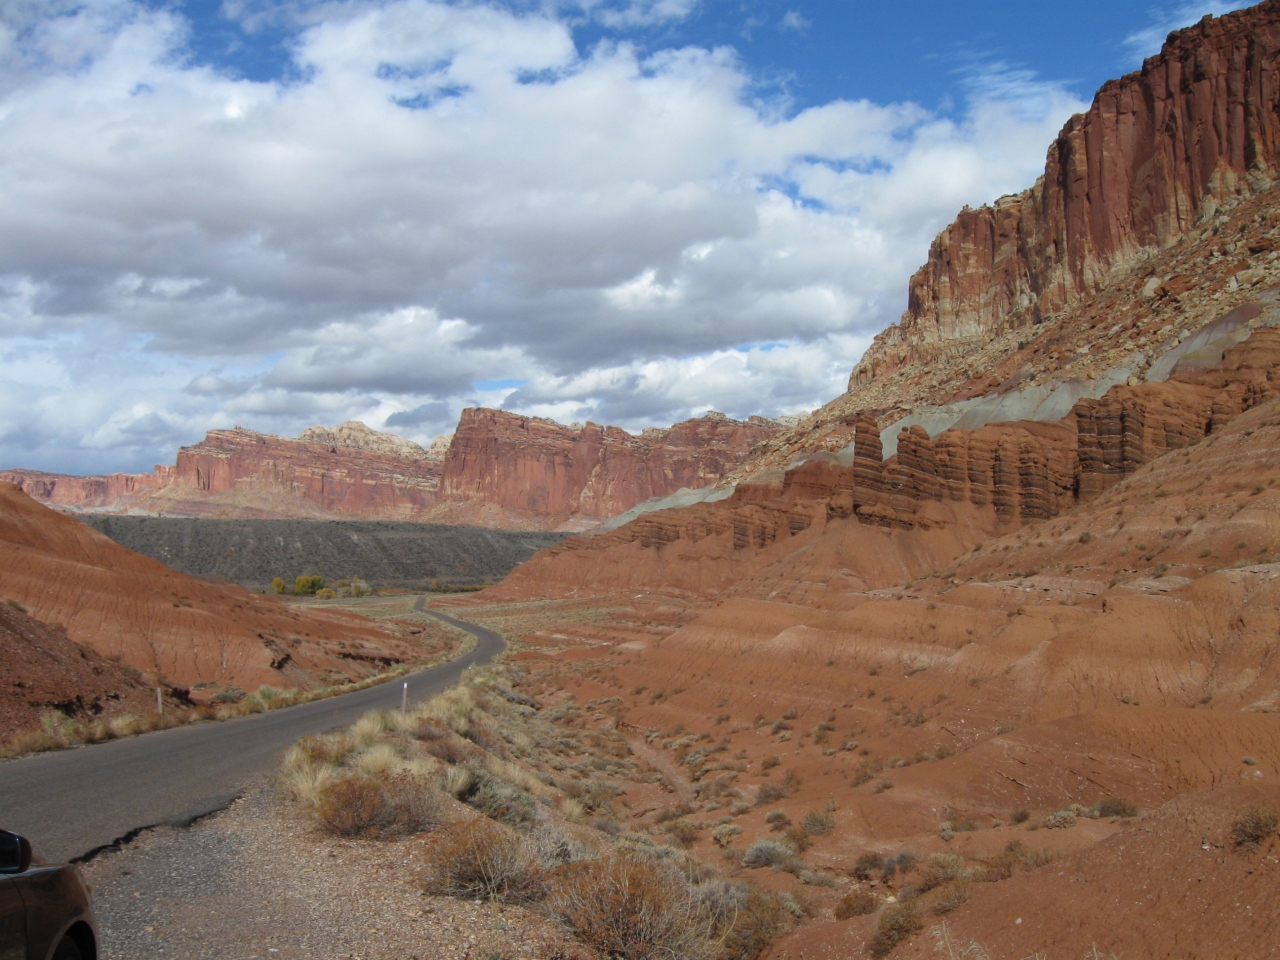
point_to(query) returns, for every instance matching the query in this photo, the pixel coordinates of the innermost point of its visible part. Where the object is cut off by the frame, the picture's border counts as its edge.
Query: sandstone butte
(497, 470)
(961, 648)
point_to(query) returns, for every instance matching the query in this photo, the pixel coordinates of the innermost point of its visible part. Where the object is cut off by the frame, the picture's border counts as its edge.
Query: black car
(46, 911)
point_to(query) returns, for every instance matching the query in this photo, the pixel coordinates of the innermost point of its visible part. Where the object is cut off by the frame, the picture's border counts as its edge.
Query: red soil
(973, 664)
(117, 603)
(45, 670)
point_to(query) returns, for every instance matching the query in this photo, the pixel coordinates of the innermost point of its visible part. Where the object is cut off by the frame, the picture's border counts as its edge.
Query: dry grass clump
(627, 906)
(364, 805)
(768, 853)
(818, 822)
(897, 923)
(482, 859)
(944, 868)
(860, 903)
(1015, 858)
(953, 895)
(684, 833)
(1254, 826)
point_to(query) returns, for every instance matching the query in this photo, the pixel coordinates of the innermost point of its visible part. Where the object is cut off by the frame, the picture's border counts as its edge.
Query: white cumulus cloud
(443, 204)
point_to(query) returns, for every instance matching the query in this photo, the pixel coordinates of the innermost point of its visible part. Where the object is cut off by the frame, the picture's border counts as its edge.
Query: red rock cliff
(540, 467)
(501, 470)
(1147, 164)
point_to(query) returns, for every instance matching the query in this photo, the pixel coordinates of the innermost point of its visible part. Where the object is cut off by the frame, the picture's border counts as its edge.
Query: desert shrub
(363, 806)
(457, 781)
(723, 835)
(277, 585)
(903, 862)
(860, 903)
(482, 859)
(316, 749)
(767, 853)
(747, 923)
(499, 800)
(1021, 815)
(352, 806)
(683, 832)
(867, 865)
(673, 813)
(60, 727)
(1014, 858)
(866, 772)
(769, 793)
(818, 822)
(897, 923)
(768, 763)
(629, 907)
(791, 782)
(942, 868)
(325, 593)
(1115, 807)
(953, 895)
(123, 725)
(416, 804)
(453, 749)
(796, 838)
(1254, 826)
(1060, 820)
(30, 741)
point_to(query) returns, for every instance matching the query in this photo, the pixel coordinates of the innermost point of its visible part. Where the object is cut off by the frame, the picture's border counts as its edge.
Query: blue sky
(277, 213)
(812, 52)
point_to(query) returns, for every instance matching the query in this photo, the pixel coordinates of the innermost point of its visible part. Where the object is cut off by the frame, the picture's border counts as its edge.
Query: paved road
(73, 802)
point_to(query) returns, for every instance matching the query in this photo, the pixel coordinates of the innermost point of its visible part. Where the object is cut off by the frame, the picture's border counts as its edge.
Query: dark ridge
(252, 552)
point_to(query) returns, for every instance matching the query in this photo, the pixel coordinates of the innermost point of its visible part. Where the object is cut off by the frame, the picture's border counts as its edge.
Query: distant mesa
(498, 470)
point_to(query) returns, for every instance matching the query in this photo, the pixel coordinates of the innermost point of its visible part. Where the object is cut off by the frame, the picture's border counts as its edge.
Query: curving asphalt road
(72, 803)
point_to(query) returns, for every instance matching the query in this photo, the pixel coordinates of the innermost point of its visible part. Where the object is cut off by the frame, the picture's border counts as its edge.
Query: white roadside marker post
(159, 702)
(404, 698)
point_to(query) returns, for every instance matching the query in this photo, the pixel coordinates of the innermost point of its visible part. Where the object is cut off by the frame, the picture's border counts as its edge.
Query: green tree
(307, 585)
(277, 585)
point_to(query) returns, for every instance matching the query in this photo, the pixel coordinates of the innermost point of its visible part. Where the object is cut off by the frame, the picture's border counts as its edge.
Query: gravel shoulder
(255, 882)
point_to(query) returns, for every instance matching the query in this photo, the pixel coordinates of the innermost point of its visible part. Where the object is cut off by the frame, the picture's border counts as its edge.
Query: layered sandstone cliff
(959, 487)
(1157, 212)
(534, 467)
(498, 470)
(1149, 162)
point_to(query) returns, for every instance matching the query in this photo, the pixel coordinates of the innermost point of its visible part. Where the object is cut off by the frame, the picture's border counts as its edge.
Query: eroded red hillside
(176, 629)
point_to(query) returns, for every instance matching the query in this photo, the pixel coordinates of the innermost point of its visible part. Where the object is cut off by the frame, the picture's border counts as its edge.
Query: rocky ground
(256, 882)
(253, 552)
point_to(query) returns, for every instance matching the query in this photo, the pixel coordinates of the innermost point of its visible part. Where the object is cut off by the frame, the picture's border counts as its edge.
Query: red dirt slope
(119, 603)
(45, 670)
